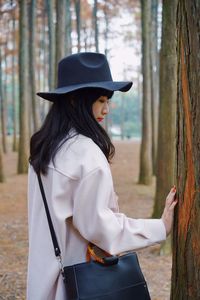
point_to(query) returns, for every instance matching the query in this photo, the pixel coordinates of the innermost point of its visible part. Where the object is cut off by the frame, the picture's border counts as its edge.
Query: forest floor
(134, 200)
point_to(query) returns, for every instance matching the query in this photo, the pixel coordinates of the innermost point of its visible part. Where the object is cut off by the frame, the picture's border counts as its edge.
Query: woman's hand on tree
(168, 213)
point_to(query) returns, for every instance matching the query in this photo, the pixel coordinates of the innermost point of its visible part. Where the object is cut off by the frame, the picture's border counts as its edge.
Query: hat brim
(113, 86)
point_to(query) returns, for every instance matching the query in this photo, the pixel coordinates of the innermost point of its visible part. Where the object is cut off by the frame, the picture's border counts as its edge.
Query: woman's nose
(106, 109)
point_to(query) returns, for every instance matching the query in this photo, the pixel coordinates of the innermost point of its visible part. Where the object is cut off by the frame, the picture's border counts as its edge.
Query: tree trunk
(106, 32)
(78, 23)
(3, 108)
(14, 100)
(186, 246)
(68, 28)
(145, 176)
(95, 26)
(45, 105)
(51, 36)
(23, 117)
(85, 35)
(167, 110)
(154, 80)
(2, 177)
(60, 30)
(32, 86)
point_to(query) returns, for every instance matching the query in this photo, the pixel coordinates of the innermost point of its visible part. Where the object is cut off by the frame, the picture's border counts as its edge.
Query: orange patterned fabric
(95, 253)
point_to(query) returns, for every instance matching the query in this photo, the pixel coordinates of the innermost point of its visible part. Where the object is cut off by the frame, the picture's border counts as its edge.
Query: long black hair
(71, 111)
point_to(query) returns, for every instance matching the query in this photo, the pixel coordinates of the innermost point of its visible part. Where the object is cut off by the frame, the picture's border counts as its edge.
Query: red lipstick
(99, 119)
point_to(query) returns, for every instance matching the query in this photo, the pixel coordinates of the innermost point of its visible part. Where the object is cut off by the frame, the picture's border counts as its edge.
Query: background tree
(68, 28)
(5, 73)
(14, 98)
(3, 107)
(95, 26)
(186, 247)
(77, 4)
(167, 110)
(154, 79)
(87, 31)
(32, 63)
(23, 102)
(107, 29)
(51, 40)
(60, 30)
(145, 176)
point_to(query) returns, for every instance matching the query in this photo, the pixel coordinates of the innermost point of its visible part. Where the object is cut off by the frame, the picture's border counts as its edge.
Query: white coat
(83, 206)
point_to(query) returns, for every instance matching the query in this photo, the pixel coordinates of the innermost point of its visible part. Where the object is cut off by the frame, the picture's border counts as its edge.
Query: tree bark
(51, 53)
(186, 246)
(145, 176)
(68, 28)
(14, 100)
(3, 108)
(107, 29)
(167, 109)
(32, 84)
(154, 80)
(60, 30)
(95, 26)
(78, 23)
(23, 116)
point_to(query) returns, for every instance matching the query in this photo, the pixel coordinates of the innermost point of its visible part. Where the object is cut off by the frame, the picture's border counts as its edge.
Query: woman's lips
(99, 119)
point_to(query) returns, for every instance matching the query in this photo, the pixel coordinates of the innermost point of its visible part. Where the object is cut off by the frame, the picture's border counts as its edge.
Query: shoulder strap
(51, 228)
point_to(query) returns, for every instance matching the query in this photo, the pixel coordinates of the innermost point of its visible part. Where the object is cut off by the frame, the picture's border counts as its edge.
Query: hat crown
(83, 68)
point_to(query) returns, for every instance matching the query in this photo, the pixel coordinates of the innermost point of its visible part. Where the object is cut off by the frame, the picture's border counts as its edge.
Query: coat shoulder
(79, 156)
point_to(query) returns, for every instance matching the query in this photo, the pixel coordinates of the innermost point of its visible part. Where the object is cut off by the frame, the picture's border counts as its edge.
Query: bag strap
(51, 228)
(92, 251)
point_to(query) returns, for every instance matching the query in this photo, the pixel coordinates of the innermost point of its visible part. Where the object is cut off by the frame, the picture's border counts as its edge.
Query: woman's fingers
(171, 196)
(168, 212)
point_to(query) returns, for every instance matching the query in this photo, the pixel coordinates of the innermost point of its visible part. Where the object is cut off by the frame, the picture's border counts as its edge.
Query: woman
(72, 152)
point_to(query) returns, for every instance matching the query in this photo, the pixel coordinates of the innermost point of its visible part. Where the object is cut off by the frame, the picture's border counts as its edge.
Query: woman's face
(100, 108)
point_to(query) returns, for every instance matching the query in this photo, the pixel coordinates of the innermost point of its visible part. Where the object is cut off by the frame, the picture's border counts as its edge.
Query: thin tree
(3, 107)
(23, 117)
(107, 28)
(68, 39)
(51, 39)
(145, 176)
(60, 30)
(2, 178)
(32, 63)
(95, 25)
(77, 4)
(186, 246)
(14, 102)
(154, 79)
(5, 58)
(167, 110)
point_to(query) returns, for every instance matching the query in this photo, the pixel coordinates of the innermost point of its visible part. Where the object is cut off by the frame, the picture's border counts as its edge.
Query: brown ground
(135, 200)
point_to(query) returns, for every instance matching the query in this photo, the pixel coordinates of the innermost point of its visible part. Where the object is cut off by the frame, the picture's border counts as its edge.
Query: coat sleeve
(112, 231)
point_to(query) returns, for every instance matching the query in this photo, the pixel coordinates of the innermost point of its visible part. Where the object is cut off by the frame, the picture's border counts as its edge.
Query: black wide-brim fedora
(84, 70)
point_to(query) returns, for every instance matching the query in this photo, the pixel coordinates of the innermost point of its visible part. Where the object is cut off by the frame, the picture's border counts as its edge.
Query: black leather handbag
(107, 278)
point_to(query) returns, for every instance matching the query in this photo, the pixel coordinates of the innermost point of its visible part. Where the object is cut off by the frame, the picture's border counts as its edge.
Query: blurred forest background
(155, 44)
